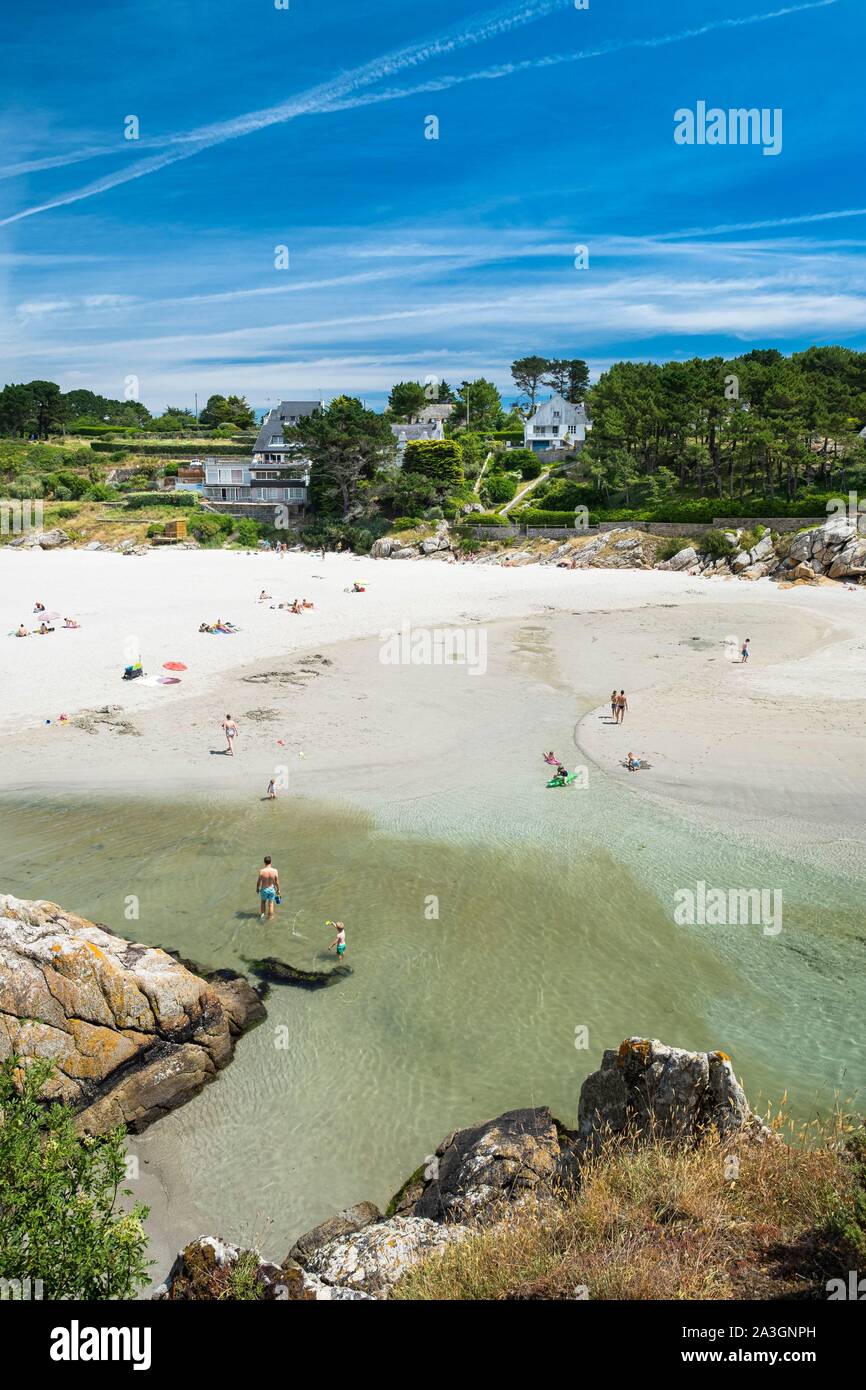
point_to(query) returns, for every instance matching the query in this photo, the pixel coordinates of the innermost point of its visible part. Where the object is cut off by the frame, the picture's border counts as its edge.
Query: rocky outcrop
(475, 1170)
(131, 1031)
(833, 550)
(374, 1258)
(345, 1223)
(210, 1269)
(649, 1090)
(399, 548)
(643, 1090)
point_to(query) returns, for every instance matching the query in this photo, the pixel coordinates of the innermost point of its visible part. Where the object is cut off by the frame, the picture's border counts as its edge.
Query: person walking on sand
(621, 707)
(613, 705)
(339, 940)
(272, 790)
(268, 889)
(230, 729)
(744, 654)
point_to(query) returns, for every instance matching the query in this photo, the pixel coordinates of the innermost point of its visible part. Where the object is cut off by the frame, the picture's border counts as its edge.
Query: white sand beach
(779, 737)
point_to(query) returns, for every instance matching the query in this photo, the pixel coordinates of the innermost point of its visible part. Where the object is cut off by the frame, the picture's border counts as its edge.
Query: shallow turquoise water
(554, 916)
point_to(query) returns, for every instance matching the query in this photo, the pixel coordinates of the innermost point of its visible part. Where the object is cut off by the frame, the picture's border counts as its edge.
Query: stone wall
(257, 511)
(653, 528)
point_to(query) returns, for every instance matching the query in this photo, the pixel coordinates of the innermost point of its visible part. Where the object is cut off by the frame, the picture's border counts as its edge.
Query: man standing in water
(268, 889)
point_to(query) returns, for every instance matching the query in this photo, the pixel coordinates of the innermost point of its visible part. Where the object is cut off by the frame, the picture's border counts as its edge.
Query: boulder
(52, 540)
(648, 1090)
(741, 561)
(207, 1270)
(374, 1258)
(683, 558)
(631, 544)
(851, 559)
(474, 1170)
(406, 552)
(763, 550)
(382, 548)
(345, 1223)
(801, 571)
(801, 546)
(132, 1032)
(434, 543)
(754, 571)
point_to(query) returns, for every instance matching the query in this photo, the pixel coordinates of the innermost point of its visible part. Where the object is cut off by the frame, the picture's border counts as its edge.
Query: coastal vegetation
(61, 1221)
(667, 1221)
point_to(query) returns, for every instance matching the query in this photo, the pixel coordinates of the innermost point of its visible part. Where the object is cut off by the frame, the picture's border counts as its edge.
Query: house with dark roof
(277, 475)
(430, 429)
(270, 445)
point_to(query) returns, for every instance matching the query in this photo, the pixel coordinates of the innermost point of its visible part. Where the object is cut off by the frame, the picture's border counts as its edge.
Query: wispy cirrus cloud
(346, 92)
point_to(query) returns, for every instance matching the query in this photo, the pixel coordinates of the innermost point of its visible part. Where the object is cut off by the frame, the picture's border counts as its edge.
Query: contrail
(339, 95)
(764, 224)
(498, 22)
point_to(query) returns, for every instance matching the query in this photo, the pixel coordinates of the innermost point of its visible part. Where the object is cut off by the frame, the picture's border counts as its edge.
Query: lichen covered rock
(132, 1032)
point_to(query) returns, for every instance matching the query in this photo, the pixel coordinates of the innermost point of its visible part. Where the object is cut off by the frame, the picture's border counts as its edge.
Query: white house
(403, 434)
(555, 424)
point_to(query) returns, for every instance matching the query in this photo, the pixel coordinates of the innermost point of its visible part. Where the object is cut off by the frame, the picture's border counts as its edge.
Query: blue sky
(408, 257)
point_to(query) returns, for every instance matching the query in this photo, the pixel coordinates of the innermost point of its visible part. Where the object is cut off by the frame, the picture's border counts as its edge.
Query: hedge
(487, 519)
(195, 448)
(134, 500)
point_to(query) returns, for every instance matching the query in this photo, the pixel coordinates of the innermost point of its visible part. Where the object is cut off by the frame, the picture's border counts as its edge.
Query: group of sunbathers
(219, 626)
(297, 605)
(43, 627)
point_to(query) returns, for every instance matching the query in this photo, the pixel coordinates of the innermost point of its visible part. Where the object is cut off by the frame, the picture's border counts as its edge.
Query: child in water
(339, 940)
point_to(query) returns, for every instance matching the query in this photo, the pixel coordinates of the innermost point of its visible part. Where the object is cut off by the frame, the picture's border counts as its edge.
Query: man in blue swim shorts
(268, 889)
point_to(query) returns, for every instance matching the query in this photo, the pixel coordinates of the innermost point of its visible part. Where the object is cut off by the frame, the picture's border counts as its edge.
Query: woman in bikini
(230, 729)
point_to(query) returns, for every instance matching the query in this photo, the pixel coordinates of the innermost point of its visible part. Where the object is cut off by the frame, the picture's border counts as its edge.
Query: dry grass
(666, 1222)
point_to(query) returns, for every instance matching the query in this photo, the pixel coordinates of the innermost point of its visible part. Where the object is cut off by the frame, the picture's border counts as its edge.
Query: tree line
(40, 409)
(756, 425)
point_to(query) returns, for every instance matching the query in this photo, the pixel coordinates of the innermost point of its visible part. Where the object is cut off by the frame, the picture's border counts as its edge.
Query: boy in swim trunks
(268, 889)
(339, 940)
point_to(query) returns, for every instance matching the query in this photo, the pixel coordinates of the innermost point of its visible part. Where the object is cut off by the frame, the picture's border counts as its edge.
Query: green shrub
(136, 500)
(248, 532)
(488, 519)
(717, 545)
(209, 529)
(25, 487)
(58, 1198)
(671, 546)
(499, 487)
(405, 523)
(100, 492)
